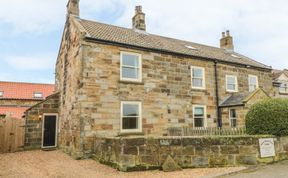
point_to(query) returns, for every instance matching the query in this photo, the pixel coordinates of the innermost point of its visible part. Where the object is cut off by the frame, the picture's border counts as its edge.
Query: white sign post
(267, 148)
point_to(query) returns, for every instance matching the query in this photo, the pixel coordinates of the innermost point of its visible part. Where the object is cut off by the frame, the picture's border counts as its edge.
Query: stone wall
(165, 92)
(69, 83)
(88, 79)
(33, 121)
(142, 153)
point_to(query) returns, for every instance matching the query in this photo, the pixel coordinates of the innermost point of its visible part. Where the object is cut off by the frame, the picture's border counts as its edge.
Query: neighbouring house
(280, 83)
(17, 97)
(115, 81)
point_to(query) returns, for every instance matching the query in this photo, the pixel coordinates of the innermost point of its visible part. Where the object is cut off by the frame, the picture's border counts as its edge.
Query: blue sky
(30, 30)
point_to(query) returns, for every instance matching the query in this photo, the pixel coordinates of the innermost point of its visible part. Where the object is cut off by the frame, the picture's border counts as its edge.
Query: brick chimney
(73, 7)
(139, 19)
(226, 42)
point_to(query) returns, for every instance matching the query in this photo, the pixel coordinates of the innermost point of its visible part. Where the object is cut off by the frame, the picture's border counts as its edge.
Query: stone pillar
(139, 19)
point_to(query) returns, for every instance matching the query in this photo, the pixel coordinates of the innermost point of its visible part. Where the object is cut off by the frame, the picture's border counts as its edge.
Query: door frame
(56, 129)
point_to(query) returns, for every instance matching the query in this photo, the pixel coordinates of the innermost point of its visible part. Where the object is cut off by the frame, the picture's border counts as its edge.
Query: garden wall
(142, 153)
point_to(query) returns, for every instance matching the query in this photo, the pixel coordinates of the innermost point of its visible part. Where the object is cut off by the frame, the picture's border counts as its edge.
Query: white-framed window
(130, 67)
(1, 93)
(233, 118)
(197, 77)
(231, 83)
(253, 82)
(283, 88)
(38, 95)
(199, 116)
(131, 119)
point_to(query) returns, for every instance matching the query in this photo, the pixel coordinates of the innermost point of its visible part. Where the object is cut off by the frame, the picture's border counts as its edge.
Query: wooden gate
(11, 135)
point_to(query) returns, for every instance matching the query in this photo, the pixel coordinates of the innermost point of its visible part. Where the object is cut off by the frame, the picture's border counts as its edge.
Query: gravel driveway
(55, 164)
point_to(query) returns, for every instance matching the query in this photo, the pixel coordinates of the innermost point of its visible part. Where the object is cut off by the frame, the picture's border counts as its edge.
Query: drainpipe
(219, 117)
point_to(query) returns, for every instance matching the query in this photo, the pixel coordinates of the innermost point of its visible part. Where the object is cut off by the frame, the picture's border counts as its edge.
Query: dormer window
(1, 93)
(38, 95)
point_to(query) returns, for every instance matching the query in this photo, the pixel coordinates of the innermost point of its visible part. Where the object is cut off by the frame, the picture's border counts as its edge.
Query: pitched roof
(15, 112)
(17, 90)
(239, 99)
(141, 39)
(236, 99)
(277, 73)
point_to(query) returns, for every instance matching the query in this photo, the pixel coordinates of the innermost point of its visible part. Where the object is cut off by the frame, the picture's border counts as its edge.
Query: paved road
(278, 170)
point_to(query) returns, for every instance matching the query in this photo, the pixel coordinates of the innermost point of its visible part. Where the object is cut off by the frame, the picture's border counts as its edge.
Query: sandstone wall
(142, 153)
(165, 91)
(68, 83)
(33, 123)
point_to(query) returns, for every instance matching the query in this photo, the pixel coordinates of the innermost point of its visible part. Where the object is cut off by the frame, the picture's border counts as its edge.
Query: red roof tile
(15, 112)
(17, 90)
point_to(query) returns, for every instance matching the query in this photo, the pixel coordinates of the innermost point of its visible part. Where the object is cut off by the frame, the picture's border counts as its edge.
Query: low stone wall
(143, 153)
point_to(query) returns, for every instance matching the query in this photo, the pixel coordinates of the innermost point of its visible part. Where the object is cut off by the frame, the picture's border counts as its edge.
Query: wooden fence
(11, 135)
(187, 131)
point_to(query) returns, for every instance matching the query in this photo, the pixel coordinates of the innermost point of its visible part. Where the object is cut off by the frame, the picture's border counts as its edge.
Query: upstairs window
(198, 77)
(233, 118)
(38, 95)
(131, 116)
(1, 93)
(283, 88)
(253, 82)
(231, 83)
(199, 115)
(131, 67)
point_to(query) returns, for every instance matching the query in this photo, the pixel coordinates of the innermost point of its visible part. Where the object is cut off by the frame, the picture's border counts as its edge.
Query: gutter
(229, 106)
(91, 39)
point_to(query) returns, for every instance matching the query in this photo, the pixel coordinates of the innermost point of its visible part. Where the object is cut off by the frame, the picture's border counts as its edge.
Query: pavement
(277, 170)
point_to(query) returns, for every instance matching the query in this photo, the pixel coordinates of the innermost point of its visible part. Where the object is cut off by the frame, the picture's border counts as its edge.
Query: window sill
(232, 91)
(130, 82)
(130, 133)
(198, 89)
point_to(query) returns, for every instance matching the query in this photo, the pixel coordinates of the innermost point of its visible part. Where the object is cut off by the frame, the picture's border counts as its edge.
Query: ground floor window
(283, 88)
(233, 118)
(131, 116)
(199, 115)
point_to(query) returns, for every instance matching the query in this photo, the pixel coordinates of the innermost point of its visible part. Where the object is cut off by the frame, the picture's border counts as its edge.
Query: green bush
(268, 117)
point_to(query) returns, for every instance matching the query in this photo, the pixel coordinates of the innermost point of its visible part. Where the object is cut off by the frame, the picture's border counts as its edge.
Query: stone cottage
(280, 83)
(115, 81)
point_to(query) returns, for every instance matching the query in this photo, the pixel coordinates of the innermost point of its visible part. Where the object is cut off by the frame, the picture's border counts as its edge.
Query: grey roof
(235, 99)
(138, 38)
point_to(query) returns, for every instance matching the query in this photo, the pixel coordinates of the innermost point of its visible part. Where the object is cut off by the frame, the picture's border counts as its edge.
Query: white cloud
(32, 16)
(259, 27)
(31, 62)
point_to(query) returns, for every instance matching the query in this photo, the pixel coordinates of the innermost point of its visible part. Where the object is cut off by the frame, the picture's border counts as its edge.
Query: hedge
(268, 117)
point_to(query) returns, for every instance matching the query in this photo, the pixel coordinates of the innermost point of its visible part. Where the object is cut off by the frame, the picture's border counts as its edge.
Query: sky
(31, 30)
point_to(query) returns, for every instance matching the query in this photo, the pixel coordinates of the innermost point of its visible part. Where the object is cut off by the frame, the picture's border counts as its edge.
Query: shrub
(268, 117)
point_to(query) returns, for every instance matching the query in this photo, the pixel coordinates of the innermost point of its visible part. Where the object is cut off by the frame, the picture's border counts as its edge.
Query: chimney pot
(138, 9)
(228, 33)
